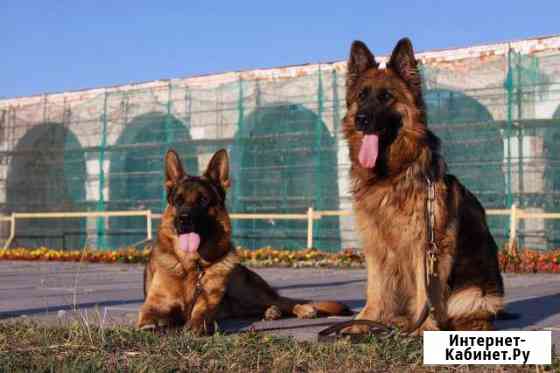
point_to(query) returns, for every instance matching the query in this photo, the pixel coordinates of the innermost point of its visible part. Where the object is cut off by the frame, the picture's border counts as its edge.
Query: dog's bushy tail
(470, 309)
(305, 309)
(331, 308)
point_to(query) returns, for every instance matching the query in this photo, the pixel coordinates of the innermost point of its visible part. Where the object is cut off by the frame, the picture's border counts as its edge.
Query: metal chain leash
(198, 289)
(432, 250)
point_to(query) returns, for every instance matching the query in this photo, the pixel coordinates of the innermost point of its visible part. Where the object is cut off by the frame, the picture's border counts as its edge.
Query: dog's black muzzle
(370, 121)
(185, 221)
(366, 122)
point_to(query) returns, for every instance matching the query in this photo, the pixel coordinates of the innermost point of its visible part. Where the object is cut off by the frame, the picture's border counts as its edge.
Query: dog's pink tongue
(189, 242)
(369, 151)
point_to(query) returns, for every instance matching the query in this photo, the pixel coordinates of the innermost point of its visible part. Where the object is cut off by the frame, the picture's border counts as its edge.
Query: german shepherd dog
(193, 275)
(394, 158)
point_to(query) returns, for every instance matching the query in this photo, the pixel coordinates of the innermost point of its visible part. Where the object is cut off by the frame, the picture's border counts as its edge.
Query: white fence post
(310, 216)
(12, 220)
(149, 224)
(513, 226)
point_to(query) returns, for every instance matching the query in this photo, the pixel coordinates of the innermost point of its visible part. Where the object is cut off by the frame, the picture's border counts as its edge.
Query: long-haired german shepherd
(193, 275)
(394, 156)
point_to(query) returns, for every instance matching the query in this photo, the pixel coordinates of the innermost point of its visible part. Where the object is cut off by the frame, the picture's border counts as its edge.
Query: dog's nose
(185, 218)
(185, 223)
(361, 122)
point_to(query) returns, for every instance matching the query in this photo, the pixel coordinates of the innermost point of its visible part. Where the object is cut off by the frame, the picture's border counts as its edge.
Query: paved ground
(112, 294)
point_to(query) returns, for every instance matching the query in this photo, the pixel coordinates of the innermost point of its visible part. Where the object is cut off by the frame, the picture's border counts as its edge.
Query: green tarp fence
(498, 118)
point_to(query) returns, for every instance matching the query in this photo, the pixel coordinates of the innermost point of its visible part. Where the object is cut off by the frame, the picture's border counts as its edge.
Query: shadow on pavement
(66, 307)
(319, 285)
(531, 311)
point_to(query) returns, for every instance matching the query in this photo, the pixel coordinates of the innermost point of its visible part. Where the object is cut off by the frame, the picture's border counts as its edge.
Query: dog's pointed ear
(404, 63)
(173, 169)
(218, 168)
(360, 60)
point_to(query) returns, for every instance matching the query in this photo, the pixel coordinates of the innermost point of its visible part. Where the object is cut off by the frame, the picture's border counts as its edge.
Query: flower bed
(525, 261)
(530, 261)
(92, 256)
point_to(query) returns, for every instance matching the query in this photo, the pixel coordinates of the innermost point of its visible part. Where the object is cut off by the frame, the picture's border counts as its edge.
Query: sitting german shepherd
(395, 164)
(193, 275)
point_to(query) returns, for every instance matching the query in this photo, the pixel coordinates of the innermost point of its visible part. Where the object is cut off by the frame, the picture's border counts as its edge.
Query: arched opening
(552, 177)
(284, 161)
(47, 173)
(472, 146)
(136, 173)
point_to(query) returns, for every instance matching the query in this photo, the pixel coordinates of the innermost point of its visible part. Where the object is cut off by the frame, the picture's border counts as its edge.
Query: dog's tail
(471, 309)
(331, 308)
(308, 309)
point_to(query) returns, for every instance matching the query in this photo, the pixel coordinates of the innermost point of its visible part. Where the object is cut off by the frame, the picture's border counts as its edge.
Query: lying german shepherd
(193, 275)
(394, 157)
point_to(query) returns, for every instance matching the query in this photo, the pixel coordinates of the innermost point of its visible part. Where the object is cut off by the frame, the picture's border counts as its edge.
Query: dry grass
(27, 346)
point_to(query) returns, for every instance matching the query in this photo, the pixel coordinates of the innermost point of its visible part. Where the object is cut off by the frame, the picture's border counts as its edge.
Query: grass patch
(29, 346)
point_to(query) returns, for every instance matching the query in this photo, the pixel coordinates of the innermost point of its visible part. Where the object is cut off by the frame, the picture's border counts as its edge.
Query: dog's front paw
(148, 327)
(305, 311)
(368, 325)
(272, 313)
(199, 328)
(355, 329)
(146, 321)
(399, 322)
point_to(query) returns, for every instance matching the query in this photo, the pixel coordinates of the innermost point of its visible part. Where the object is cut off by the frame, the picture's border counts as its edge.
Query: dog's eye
(384, 96)
(364, 93)
(204, 201)
(178, 200)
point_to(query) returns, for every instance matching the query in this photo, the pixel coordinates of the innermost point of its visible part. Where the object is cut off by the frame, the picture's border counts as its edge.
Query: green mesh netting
(551, 135)
(472, 146)
(498, 118)
(136, 173)
(47, 173)
(285, 160)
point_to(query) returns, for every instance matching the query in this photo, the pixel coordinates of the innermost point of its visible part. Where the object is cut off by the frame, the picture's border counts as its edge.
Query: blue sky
(57, 45)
